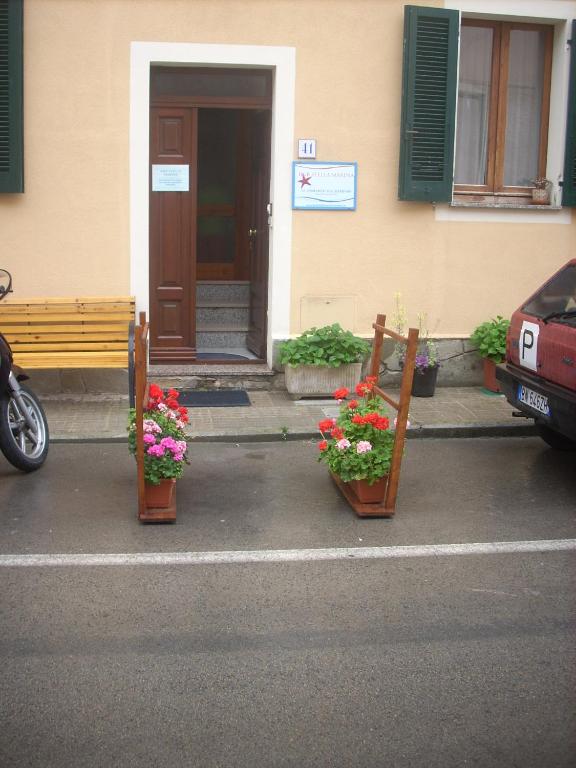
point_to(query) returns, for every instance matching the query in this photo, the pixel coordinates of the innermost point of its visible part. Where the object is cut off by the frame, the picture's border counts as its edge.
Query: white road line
(287, 555)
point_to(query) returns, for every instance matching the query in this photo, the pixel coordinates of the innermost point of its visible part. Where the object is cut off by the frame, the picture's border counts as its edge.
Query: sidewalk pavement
(452, 412)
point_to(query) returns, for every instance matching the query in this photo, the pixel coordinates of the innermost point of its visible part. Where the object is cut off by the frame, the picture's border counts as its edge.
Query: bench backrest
(87, 332)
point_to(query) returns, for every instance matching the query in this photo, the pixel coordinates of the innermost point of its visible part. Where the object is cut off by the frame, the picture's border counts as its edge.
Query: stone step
(223, 291)
(233, 316)
(197, 376)
(223, 337)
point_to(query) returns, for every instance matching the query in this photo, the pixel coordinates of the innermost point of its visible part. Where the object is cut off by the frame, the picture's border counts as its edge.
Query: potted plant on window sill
(322, 360)
(490, 340)
(541, 191)
(165, 446)
(357, 446)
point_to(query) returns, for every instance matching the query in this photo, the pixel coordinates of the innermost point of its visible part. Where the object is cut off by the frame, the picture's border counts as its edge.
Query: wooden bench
(88, 332)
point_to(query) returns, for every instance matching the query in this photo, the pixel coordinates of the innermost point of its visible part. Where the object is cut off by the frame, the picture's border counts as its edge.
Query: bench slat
(71, 304)
(41, 335)
(69, 300)
(65, 317)
(71, 346)
(72, 360)
(66, 327)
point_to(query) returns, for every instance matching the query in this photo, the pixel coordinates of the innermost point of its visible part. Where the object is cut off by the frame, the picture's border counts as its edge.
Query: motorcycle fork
(16, 392)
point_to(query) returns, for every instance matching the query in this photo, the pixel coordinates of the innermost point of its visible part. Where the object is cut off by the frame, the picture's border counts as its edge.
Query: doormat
(220, 398)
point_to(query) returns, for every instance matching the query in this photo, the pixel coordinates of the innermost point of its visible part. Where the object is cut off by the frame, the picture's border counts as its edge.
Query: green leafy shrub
(490, 339)
(358, 444)
(330, 345)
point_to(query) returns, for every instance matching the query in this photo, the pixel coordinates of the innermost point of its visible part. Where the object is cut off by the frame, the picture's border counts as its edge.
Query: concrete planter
(320, 380)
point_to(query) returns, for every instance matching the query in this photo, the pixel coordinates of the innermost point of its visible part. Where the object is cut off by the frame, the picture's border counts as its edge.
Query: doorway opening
(209, 238)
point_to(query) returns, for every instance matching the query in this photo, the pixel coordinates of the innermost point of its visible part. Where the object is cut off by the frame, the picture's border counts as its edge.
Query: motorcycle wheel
(25, 449)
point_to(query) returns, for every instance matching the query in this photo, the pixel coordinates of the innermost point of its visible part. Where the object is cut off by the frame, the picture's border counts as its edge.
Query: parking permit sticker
(529, 344)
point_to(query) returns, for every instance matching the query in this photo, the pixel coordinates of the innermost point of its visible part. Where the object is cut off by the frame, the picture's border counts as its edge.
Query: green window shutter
(429, 85)
(11, 113)
(569, 184)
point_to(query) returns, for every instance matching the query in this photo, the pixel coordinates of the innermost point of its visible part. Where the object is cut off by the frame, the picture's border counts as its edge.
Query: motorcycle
(24, 436)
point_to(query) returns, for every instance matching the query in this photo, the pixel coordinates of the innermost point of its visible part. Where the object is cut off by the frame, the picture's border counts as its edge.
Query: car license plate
(533, 400)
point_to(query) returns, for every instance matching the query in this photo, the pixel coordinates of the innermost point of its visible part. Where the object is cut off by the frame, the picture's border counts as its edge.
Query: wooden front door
(259, 213)
(172, 240)
(217, 229)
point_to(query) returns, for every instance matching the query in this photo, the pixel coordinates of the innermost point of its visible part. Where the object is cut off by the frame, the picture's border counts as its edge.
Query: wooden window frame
(495, 186)
(230, 102)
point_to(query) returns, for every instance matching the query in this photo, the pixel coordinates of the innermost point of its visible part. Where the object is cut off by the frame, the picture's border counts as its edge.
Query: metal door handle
(252, 232)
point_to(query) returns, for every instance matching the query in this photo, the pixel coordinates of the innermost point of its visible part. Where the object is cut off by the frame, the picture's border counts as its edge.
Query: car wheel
(555, 439)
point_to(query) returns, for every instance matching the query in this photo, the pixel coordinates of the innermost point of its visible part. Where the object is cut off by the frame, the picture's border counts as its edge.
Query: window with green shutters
(11, 118)
(428, 103)
(502, 129)
(569, 187)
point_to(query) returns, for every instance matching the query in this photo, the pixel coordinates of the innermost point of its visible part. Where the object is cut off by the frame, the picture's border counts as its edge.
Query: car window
(557, 296)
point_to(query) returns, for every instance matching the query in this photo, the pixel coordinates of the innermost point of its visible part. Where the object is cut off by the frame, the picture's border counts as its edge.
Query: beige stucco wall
(69, 233)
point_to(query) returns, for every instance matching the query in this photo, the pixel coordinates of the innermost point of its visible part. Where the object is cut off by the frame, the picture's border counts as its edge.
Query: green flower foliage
(358, 444)
(164, 438)
(490, 339)
(330, 345)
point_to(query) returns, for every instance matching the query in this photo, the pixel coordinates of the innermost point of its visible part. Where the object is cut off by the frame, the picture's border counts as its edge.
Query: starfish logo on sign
(304, 180)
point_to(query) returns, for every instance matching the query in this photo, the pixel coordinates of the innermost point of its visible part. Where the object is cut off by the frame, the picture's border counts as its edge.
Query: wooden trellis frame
(388, 507)
(145, 514)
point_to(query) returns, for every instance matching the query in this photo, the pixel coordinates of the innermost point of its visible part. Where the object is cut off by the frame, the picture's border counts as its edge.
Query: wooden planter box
(320, 380)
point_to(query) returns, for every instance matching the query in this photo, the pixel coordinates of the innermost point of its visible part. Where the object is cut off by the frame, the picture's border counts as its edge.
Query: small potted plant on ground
(322, 360)
(425, 370)
(490, 340)
(164, 444)
(541, 191)
(357, 446)
(426, 363)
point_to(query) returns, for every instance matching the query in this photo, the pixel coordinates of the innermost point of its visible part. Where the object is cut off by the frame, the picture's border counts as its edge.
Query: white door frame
(282, 61)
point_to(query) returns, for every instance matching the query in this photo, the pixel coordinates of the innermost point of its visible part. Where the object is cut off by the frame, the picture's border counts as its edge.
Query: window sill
(517, 206)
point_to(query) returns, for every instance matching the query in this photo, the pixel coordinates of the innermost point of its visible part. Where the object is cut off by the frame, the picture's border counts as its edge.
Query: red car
(539, 375)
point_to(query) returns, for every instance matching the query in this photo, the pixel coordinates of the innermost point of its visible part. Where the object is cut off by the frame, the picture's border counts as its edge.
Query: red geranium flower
(382, 423)
(371, 380)
(155, 392)
(353, 404)
(337, 433)
(362, 389)
(341, 394)
(323, 445)
(326, 425)
(357, 419)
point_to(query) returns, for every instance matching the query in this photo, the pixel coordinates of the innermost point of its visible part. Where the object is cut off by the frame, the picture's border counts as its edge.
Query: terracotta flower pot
(369, 494)
(160, 496)
(541, 196)
(490, 381)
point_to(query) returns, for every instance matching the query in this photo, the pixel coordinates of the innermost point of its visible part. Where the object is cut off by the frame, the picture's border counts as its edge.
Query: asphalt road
(433, 660)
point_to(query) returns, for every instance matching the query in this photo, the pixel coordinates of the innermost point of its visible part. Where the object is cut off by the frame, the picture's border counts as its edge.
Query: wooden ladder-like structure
(145, 514)
(388, 507)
